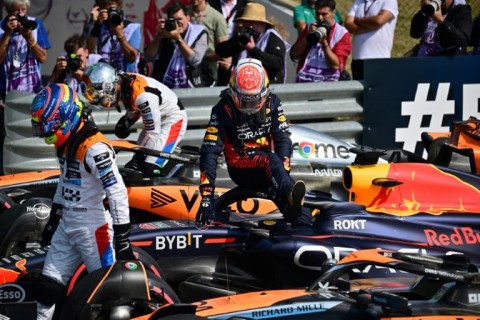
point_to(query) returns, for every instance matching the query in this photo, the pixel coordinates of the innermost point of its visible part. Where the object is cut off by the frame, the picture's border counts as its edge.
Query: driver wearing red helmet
(80, 229)
(249, 126)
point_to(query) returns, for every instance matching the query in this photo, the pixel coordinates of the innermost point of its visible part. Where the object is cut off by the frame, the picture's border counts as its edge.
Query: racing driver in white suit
(163, 115)
(80, 228)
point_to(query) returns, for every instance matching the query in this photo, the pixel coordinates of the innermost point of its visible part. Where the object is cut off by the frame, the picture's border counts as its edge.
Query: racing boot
(295, 199)
(150, 170)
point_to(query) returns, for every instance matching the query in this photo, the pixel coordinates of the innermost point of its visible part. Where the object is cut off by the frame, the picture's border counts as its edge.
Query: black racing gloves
(123, 248)
(52, 224)
(206, 210)
(122, 128)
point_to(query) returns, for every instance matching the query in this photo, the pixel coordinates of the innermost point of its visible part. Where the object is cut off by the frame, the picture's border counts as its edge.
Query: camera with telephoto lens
(431, 6)
(27, 23)
(73, 62)
(115, 16)
(244, 36)
(170, 24)
(314, 37)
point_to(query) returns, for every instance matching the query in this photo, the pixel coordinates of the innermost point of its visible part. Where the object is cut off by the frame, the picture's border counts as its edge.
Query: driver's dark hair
(326, 3)
(175, 7)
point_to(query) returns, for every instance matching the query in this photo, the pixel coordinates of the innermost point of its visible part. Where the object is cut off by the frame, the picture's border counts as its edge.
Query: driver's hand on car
(123, 248)
(206, 210)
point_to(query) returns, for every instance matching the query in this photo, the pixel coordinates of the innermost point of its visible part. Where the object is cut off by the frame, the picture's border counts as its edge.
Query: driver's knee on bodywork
(48, 293)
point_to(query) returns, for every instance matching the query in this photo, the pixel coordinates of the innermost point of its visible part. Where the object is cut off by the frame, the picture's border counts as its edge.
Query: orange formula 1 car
(425, 288)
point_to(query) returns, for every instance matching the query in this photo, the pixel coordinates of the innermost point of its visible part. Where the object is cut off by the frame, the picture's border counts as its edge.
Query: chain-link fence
(407, 8)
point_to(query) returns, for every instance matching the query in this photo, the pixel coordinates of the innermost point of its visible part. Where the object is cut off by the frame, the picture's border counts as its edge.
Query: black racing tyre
(148, 261)
(88, 301)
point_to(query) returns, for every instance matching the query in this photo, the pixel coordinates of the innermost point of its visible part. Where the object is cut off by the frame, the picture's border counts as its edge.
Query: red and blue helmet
(56, 113)
(249, 86)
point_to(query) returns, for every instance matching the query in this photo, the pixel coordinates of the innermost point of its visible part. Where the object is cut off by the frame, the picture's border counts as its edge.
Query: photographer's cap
(254, 12)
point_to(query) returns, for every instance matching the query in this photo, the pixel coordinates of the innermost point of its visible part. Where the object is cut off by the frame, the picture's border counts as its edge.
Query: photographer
(178, 49)
(255, 37)
(70, 66)
(23, 48)
(304, 14)
(443, 27)
(113, 37)
(322, 48)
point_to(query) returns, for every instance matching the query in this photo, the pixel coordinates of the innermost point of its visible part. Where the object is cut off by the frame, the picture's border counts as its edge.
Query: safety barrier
(333, 108)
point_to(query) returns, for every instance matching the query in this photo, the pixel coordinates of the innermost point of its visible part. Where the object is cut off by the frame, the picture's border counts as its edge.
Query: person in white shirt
(372, 24)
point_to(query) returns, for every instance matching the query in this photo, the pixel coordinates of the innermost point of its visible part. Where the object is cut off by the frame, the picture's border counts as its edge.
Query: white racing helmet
(101, 85)
(249, 86)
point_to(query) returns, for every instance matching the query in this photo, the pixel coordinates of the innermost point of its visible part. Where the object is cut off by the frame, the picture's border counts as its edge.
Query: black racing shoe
(295, 199)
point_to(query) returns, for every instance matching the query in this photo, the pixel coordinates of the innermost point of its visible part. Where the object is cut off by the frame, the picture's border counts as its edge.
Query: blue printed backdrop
(405, 96)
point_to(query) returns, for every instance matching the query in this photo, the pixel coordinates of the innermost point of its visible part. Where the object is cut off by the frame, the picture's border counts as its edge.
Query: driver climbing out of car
(80, 229)
(249, 126)
(163, 115)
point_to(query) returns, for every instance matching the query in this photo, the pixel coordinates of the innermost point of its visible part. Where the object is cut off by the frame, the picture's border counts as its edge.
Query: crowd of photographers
(198, 46)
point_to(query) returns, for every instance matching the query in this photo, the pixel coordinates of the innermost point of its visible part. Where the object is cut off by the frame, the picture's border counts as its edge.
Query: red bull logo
(459, 236)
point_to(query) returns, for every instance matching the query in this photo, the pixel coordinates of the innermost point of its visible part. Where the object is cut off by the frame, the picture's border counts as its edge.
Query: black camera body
(323, 30)
(73, 62)
(115, 16)
(26, 23)
(431, 6)
(244, 36)
(170, 24)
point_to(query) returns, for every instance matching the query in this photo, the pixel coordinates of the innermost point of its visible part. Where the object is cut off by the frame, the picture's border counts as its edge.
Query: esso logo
(11, 292)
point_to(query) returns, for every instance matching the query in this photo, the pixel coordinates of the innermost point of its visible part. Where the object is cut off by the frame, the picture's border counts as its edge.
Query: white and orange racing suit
(85, 232)
(164, 117)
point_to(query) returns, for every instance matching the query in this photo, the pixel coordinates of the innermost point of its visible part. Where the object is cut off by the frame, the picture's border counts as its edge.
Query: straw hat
(254, 12)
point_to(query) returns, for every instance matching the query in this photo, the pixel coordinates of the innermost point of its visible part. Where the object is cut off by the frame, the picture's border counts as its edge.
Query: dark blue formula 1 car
(243, 252)
(318, 160)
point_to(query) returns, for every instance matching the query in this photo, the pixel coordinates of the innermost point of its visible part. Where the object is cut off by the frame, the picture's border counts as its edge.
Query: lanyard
(365, 8)
(228, 9)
